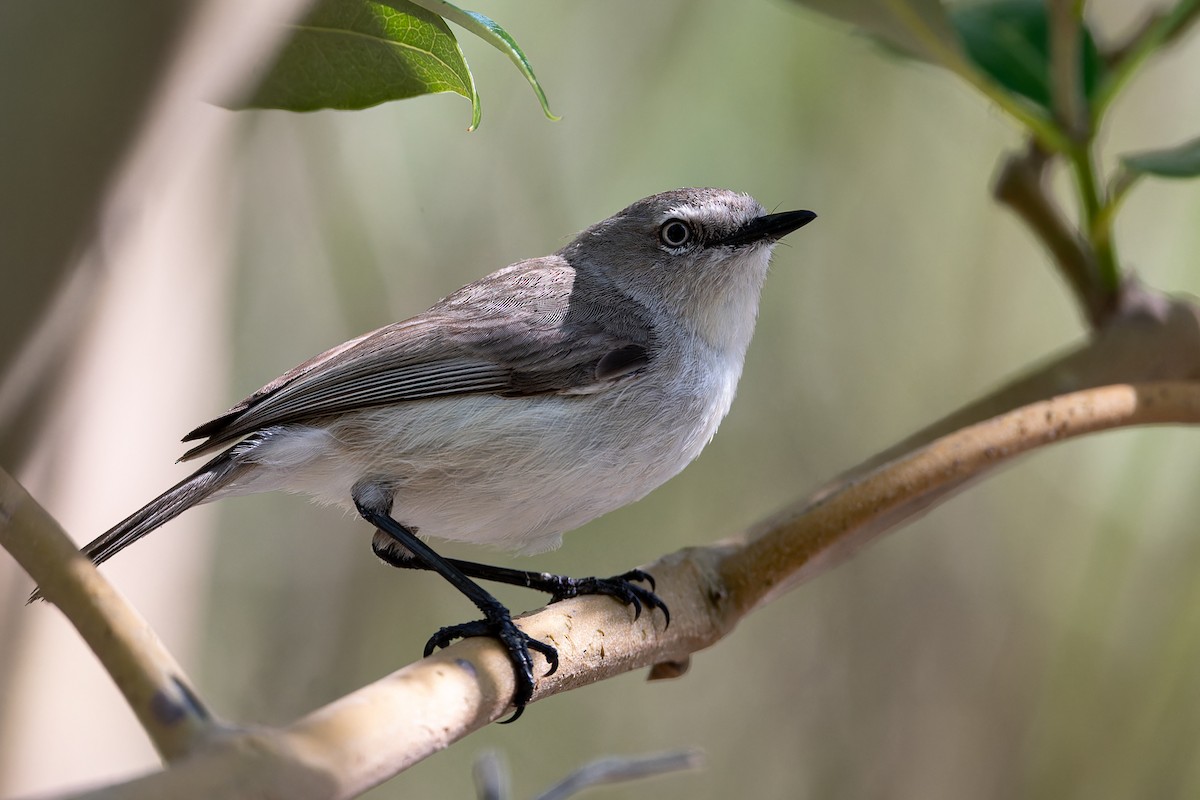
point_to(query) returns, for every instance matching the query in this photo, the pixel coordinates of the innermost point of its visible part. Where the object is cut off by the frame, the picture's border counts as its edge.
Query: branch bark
(378, 731)
(153, 684)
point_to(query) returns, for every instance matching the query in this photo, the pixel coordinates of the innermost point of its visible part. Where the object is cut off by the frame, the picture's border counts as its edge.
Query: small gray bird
(518, 408)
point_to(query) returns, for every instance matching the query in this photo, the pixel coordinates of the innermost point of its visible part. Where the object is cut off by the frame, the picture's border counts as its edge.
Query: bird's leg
(559, 587)
(374, 504)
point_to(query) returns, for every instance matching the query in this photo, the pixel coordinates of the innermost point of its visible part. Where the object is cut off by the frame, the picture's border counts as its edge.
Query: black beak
(771, 227)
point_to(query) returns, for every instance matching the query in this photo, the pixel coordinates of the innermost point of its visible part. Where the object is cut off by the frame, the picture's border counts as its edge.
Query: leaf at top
(351, 54)
(490, 31)
(1009, 40)
(918, 28)
(1176, 162)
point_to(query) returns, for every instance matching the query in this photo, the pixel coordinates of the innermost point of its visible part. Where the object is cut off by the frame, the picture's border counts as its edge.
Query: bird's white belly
(514, 473)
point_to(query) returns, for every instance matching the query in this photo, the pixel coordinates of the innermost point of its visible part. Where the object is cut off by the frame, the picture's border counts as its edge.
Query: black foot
(620, 587)
(559, 587)
(516, 642)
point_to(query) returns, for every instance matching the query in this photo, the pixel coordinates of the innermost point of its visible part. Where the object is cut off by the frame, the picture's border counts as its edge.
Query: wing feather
(524, 330)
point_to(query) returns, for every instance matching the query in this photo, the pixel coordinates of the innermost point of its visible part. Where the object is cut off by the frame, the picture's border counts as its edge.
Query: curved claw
(651, 601)
(632, 600)
(516, 716)
(517, 644)
(446, 636)
(548, 652)
(619, 588)
(638, 575)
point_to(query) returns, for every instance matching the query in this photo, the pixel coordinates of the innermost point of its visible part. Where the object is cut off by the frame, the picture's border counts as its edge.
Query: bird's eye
(675, 233)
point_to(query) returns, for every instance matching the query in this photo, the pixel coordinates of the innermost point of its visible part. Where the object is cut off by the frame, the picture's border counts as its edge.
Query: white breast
(514, 473)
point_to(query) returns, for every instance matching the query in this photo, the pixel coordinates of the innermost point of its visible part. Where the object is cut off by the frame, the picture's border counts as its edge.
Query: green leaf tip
(490, 31)
(1182, 161)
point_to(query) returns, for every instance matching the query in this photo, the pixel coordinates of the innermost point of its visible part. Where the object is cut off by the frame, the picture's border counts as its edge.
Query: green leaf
(491, 32)
(919, 28)
(1176, 162)
(1009, 40)
(351, 54)
(923, 29)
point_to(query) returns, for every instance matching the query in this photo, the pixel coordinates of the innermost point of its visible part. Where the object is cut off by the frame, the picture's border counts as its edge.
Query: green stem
(1118, 190)
(1066, 39)
(1167, 28)
(1095, 224)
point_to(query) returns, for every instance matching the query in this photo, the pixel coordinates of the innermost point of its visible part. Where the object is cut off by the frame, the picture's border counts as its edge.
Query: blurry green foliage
(1009, 41)
(919, 28)
(1012, 52)
(1175, 162)
(352, 54)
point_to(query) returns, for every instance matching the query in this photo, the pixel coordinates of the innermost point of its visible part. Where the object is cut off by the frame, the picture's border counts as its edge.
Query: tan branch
(381, 729)
(152, 682)
(806, 540)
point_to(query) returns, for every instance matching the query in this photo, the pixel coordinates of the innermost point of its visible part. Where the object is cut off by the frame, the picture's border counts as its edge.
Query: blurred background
(1037, 636)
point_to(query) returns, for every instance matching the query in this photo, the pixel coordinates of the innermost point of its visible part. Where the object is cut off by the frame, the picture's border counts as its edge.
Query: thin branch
(1021, 185)
(1071, 108)
(1066, 74)
(1091, 202)
(1151, 338)
(1159, 30)
(1122, 180)
(154, 685)
(490, 772)
(620, 769)
(818, 535)
(380, 730)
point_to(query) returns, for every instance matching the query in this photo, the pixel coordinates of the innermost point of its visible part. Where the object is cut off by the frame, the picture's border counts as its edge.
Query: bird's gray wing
(523, 330)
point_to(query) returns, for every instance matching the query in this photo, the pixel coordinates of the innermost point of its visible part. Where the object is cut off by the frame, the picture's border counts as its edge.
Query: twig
(1066, 74)
(1091, 203)
(1157, 31)
(154, 685)
(817, 535)
(619, 769)
(1020, 185)
(1152, 338)
(491, 776)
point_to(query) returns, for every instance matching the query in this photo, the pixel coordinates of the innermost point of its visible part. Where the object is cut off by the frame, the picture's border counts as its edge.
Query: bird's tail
(196, 488)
